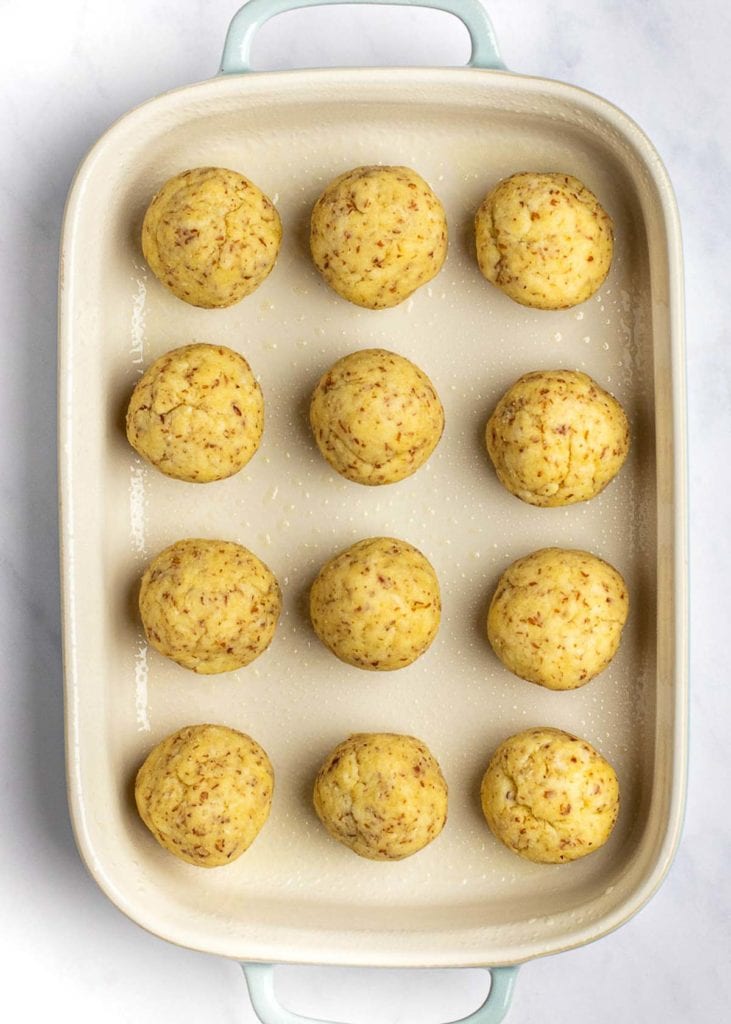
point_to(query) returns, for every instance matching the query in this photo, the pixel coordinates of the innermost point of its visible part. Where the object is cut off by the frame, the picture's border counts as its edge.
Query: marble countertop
(71, 67)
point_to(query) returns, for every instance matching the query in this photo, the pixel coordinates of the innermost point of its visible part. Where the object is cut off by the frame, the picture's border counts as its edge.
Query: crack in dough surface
(211, 236)
(556, 438)
(556, 617)
(376, 417)
(381, 794)
(212, 606)
(197, 413)
(377, 234)
(377, 605)
(550, 796)
(205, 793)
(544, 239)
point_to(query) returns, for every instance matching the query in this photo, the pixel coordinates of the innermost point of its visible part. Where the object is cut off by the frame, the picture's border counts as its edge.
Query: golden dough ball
(197, 414)
(210, 605)
(382, 795)
(377, 605)
(205, 793)
(211, 236)
(556, 437)
(376, 417)
(377, 234)
(556, 617)
(544, 239)
(550, 796)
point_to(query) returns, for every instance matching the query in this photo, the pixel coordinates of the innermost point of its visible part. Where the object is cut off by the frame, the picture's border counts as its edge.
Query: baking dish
(293, 897)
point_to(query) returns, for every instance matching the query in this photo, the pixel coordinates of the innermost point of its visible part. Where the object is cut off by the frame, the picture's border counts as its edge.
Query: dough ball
(211, 236)
(376, 417)
(382, 795)
(556, 438)
(550, 796)
(210, 605)
(556, 617)
(544, 239)
(377, 605)
(205, 793)
(377, 234)
(197, 413)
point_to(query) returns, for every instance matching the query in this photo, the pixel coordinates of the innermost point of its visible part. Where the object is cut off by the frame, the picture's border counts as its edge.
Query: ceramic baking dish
(296, 896)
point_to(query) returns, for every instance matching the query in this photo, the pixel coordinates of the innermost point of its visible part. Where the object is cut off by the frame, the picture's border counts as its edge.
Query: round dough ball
(377, 234)
(556, 438)
(556, 617)
(550, 796)
(211, 236)
(205, 793)
(377, 605)
(376, 417)
(197, 413)
(544, 239)
(210, 605)
(382, 795)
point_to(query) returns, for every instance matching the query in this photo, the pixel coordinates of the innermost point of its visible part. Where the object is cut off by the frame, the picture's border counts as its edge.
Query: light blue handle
(247, 22)
(260, 979)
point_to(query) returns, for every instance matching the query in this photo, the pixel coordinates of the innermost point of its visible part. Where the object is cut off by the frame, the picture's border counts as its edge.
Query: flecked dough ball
(544, 239)
(210, 605)
(205, 793)
(556, 437)
(550, 796)
(381, 794)
(377, 605)
(197, 414)
(211, 236)
(556, 617)
(376, 417)
(377, 234)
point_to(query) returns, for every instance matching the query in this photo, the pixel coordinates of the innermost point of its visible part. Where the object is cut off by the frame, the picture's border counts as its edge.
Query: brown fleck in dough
(377, 604)
(556, 617)
(211, 236)
(377, 234)
(544, 239)
(382, 795)
(550, 796)
(197, 414)
(205, 793)
(556, 437)
(376, 417)
(210, 605)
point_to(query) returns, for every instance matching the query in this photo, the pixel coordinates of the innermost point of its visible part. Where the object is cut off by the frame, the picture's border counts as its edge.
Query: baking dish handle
(247, 22)
(260, 980)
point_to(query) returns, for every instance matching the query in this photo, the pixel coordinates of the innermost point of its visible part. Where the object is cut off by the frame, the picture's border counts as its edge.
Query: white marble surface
(69, 68)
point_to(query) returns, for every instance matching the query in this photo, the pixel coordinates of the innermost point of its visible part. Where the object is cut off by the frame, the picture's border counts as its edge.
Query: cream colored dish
(453, 904)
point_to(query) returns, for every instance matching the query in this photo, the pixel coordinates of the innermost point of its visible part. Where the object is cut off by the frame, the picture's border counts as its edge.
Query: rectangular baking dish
(296, 896)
